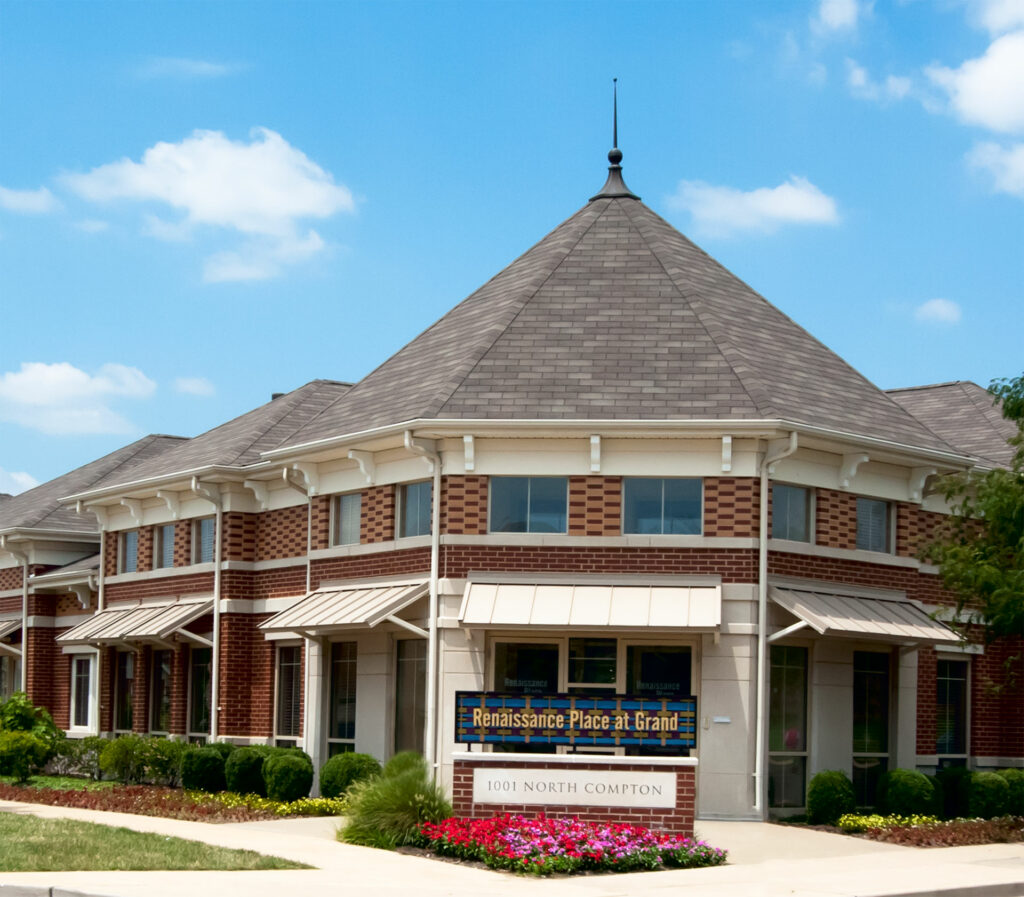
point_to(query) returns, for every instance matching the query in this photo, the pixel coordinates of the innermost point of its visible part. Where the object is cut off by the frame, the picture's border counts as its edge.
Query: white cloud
(837, 16)
(997, 16)
(939, 311)
(178, 67)
(861, 84)
(61, 399)
(1004, 164)
(92, 225)
(262, 189)
(194, 386)
(28, 202)
(13, 482)
(723, 211)
(988, 91)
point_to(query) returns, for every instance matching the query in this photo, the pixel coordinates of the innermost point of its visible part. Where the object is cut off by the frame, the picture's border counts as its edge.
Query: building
(614, 468)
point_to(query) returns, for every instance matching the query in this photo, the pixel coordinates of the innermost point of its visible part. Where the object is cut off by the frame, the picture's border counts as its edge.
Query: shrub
(988, 795)
(904, 792)
(22, 754)
(938, 807)
(243, 772)
(203, 770)
(1015, 790)
(388, 811)
(288, 777)
(955, 781)
(224, 748)
(343, 769)
(123, 759)
(162, 759)
(829, 796)
(19, 714)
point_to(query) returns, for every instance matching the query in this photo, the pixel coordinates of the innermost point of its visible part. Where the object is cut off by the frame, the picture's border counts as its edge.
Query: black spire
(615, 186)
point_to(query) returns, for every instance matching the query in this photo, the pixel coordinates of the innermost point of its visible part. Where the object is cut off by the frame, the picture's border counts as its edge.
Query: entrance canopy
(151, 623)
(492, 605)
(351, 607)
(8, 628)
(883, 619)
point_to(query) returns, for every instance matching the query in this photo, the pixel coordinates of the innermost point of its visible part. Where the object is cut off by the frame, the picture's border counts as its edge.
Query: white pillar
(313, 741)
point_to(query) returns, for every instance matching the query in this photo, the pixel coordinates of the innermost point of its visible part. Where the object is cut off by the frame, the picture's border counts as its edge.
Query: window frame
(282, 739)
(891, 722)
(90, 726)
(401, 501)
(808, 648)
(197, 540)
(341, 745)
(529, 479)
(122, 551)
(398, 642)
(115, 716)
(151, 702)
(810, 514)
(160, 545)
(337, 517)
(662, 480)
(890, 530)
(192, 734)
(965, 660)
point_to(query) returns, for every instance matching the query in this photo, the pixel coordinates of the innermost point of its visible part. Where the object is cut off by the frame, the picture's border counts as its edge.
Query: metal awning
(9, 627)
(153, 623)
(884, 619)
(493, 605)
(351, 607)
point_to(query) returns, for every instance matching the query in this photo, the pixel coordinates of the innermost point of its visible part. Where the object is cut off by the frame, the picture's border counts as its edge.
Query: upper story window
(873, 525)
(202, 540)
(669, 506)
(791, 512)
(347, 515)
(128, 558)
(163, 549)
(529, 504)
(414, 509)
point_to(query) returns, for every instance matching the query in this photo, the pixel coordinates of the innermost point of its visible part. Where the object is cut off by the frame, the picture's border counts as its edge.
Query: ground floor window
(871, 708)
(10, 675)
(341, 734)
(160, 692)
(199, 691)
(951, 708)
(124, 690)
(410, 694)
(289, 695)
(787, 727)
(82, 666)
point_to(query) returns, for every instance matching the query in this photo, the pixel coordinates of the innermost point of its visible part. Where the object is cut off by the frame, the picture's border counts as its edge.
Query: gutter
(211, 493)
(760, 725)
(22, 558)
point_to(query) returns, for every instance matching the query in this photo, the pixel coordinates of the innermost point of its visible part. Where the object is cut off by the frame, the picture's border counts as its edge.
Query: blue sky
(205, 203)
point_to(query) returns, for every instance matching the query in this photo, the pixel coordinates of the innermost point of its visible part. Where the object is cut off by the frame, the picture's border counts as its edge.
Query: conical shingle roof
(616, 315)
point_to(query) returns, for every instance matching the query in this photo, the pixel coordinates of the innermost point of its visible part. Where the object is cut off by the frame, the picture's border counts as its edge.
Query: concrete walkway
(764, 861)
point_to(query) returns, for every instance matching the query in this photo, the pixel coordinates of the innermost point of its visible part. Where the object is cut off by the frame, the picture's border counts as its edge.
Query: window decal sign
(487, 717)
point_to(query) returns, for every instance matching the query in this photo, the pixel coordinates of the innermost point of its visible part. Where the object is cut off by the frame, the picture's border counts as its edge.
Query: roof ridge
(285, 404)
(985, 409)
(930, 386)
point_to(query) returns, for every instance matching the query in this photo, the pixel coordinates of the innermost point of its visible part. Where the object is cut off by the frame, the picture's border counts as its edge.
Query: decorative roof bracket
(134, 506)
(295, 480)
(848, 469)
(260, 490)
(425, 448)
(173, 502)
(468, 453)
(83, 592)
(726, 454)
(918, 477)
(595, 454)
(311, 474)
(367, 464)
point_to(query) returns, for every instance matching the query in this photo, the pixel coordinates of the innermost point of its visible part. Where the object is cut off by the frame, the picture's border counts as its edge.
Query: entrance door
(410, 694)
(871, 687)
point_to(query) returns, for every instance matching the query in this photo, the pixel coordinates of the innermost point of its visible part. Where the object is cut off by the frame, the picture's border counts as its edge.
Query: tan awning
(354, 607)
(7, 627)
(491, 605)
(150, 623)
(892, 619)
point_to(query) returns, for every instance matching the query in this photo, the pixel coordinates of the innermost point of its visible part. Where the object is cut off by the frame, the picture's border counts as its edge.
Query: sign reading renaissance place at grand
(576, 720)
(574, 787)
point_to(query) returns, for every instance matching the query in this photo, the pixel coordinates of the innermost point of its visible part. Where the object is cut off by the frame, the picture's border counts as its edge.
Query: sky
(202, 204)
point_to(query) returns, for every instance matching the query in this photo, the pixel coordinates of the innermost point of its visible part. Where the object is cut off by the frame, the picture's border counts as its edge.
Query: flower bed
(926, 831)
(543, 846)
(174, 803)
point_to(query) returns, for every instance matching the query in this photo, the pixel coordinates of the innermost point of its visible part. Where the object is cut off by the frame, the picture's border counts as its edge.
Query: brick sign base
(677, 819)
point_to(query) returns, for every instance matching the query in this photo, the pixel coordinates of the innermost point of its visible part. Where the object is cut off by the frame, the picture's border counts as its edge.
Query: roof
(329, 609)
(240, 441)
(617, 315)
(148, 623)
(40, 508)
(965, 415)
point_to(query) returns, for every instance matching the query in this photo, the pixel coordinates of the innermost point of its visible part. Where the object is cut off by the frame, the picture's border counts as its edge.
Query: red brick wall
(388, 563)
(145, 559)
(377, 523)
(595, 506)
(997, 700)
(240, 536)
(677, 820)
(110, 554)
(464, 505)
(282, 533)
(835, 518)
(927, 720)
(140, 690)
(731, 506)
(160, 587)
(183, 543)
(247, 677)
(48, 673)
(322, 521)
(914, 528)
(10, 578)
(284, 582)
(179, 690)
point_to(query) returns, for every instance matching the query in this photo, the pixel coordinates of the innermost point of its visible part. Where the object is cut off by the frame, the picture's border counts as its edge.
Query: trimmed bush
(162, 759)
(938, 807)
(988, 795)
(203, 770)
(342, 770)
(124, 759)
(955, 786)
(22, 754)
(19, 714)
(243, 772)
(829, 796)
(388, 811)
(224, 748)
(288, 777)
(905, 792)
(1015, 790)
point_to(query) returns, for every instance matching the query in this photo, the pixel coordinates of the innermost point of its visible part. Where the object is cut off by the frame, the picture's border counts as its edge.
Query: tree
(980, 549)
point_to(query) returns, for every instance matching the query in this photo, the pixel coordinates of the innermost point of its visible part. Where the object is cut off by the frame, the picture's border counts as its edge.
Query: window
(592, 666)
(124, 690)
(787, 727)
(526, 668)
(347, 516)
(10, 676)
(160, 692)
(341, 734)
(410, 694)
(81, 691)
(199, 691)
(202, 540)
(791, 513)
(951, 707)
(670, 506)
(163, 554)
(872, 524)
(528, 504)
(414, 509)
(129, 553)
(870, 723)
(289, 694)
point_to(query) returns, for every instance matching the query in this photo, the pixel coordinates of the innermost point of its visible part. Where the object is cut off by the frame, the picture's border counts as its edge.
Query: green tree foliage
(980, 549)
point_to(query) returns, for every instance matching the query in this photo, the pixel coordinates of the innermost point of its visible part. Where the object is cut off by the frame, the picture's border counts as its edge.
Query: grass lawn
(61, 783)
(29, 844)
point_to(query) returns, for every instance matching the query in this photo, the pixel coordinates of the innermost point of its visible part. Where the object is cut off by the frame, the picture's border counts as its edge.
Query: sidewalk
(764, 861)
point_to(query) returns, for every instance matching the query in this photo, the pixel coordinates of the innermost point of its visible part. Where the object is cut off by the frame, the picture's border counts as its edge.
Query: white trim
(190, 570)
(91, 726)
(848, 554)
(632, 540)
(572, 759)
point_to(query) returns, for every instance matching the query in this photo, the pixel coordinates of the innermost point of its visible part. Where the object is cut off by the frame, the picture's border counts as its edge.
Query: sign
(582, 721)
(574, 787)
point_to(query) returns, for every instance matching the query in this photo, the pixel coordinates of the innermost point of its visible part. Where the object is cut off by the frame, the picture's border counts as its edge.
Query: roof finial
(615, 186)
(615, 154)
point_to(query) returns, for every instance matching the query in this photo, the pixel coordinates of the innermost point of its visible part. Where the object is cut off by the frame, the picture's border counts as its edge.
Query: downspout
(420, 447)
(22, 558)
(101, 520)
(212, 494)
(769, 460)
